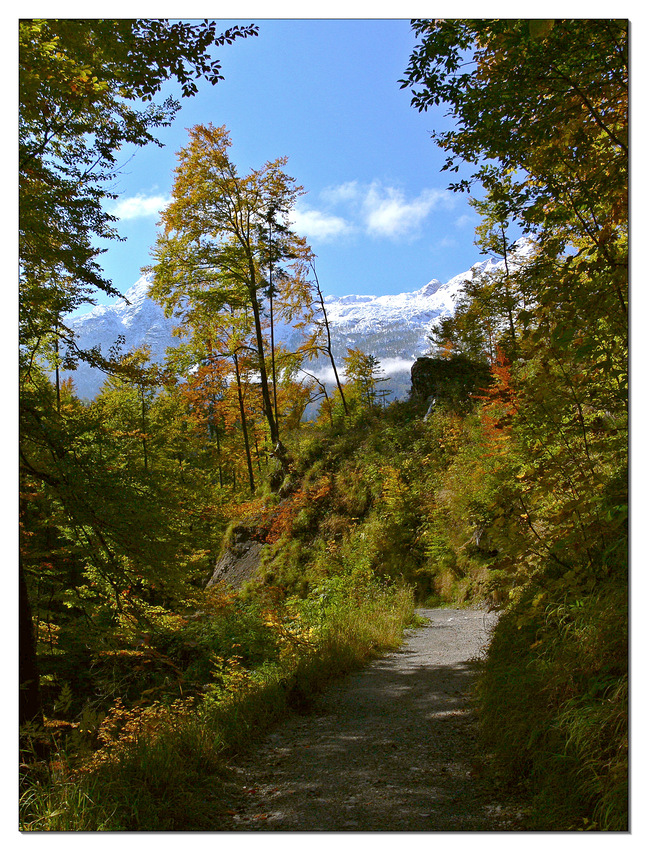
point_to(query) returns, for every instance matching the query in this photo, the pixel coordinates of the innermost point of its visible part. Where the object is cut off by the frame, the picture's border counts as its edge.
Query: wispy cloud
(341, 194)
(389, 213)
(374, 209)
(319, 225)
(139, 206)
(466, 220)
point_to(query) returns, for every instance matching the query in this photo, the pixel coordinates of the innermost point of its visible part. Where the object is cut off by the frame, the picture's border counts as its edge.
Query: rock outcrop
(452, 381)
(240, 561)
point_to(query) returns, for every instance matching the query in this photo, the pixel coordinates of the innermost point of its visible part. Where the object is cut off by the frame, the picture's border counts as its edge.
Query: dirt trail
(391, 748)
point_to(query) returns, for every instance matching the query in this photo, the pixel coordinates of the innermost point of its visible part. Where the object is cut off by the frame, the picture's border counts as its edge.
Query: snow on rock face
(366, 314)
(141, 322)
(394, 328)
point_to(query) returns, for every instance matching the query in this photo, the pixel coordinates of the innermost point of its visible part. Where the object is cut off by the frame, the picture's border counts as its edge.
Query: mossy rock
(452, 381)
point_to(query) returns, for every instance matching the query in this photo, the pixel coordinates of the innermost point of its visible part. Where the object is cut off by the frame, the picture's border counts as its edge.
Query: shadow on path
(391, 748)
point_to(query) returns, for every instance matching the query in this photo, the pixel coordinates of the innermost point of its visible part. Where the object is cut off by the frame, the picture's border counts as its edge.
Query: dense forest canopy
(502, 480)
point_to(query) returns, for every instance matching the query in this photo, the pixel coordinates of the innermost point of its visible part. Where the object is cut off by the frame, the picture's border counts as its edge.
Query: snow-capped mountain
(139, 319)
(393, 328)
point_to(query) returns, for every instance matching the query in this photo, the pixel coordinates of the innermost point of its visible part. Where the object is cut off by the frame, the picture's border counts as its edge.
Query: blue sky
(324, 93)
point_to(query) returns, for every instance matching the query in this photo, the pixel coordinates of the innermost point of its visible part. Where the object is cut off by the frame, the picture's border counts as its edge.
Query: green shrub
(159, 766)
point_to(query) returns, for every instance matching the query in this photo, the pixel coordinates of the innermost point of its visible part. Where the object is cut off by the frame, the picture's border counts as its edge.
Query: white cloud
(389, 366)
(343, 193)
(388, 213)
(393, 365)
(375, 209)
(318, 225)
(466, 220)
(139, 206)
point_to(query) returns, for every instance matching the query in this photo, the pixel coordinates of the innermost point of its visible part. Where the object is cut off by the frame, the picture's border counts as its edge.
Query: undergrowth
(158, 766)
(371, 519)
(376, 497)
(453, 505)
(553, 705)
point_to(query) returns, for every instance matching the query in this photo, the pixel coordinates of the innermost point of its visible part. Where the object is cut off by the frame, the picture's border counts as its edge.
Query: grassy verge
(553, 706)
(159, 767)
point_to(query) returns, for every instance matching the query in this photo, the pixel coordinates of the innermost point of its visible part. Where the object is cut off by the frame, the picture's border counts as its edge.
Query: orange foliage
(286, 512)
(499, 405)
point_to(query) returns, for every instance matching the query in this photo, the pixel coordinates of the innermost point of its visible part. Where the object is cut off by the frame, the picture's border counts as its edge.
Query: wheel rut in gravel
(390, 748)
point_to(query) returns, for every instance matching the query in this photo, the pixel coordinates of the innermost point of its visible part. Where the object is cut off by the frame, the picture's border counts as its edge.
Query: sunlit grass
(553, 707)
(159, 767)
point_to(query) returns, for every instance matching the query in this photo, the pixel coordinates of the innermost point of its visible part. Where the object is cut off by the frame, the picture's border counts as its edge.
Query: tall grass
(553, 706)
(164, 767)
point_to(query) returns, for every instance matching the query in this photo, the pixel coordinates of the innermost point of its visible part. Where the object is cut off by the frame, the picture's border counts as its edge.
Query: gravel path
(391, 748)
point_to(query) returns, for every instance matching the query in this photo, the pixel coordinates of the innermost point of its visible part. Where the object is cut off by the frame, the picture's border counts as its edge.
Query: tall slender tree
(326, 346)
(220, 242)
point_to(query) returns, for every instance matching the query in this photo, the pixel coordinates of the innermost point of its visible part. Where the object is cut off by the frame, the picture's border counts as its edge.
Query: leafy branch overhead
(82, 84)
(502, 480)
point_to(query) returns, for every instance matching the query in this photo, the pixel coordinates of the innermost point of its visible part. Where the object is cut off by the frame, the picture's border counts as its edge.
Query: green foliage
(553, 703)
(541, 109)
(82, 86)
(160, 766)
(363, 375)
(114, 540)
(224, 259)
(364, 498)
(512, 490)
(86, 92)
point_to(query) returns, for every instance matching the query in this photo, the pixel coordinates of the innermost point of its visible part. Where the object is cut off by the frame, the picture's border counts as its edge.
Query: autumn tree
(213, 390)
(87, 89)
(222, 249)
(486, 312)
(541, 123)
(363, 373)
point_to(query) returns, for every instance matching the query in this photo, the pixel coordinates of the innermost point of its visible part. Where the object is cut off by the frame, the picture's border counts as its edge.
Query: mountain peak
(138, 292)
(393, 328)
(429, 288)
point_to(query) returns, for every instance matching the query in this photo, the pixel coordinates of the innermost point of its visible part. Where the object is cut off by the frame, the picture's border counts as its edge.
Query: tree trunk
(508, 298)
(217, 433)
(58, 380)
(243, 422)
(272, 351)
(329, 341)
(30, 711)
(279, 451)
(265, 389)
(144, 447)
(258, 454)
